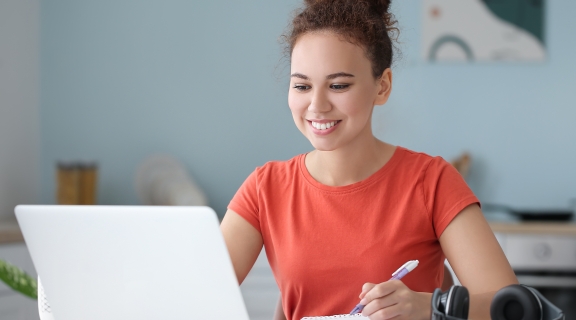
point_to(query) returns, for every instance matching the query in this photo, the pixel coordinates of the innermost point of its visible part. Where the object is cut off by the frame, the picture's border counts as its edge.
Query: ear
(384, 84)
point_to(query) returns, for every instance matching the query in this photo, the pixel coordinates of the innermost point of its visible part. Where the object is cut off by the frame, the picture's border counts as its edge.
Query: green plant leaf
(18, 280)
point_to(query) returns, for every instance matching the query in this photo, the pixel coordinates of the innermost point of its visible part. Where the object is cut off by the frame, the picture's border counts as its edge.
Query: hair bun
(380, 6)
(366, 23)
(313, 2)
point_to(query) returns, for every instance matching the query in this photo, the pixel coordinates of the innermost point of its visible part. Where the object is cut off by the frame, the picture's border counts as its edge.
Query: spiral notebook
(338, 316)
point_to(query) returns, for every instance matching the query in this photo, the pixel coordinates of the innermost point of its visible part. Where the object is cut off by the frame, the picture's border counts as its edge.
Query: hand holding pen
(384, 292)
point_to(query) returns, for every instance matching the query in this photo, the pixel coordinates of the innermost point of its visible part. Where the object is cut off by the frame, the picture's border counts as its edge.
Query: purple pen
(397, 275)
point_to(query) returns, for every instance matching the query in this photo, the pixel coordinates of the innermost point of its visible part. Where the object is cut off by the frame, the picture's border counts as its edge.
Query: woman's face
(332, 90)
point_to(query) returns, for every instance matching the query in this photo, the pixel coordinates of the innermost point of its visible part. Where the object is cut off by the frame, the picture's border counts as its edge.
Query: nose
(320, 102)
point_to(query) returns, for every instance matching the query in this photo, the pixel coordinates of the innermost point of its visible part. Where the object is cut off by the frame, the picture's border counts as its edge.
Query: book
(357, 316)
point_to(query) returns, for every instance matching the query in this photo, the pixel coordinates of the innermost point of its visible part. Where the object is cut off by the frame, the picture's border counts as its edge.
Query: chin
(324, 146)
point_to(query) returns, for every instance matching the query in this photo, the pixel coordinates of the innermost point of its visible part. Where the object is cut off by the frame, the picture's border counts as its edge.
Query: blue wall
(204, 81)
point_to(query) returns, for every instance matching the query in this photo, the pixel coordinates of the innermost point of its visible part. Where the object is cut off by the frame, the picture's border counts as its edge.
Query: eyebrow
(328, 77)
(338, 75)
(299, 75)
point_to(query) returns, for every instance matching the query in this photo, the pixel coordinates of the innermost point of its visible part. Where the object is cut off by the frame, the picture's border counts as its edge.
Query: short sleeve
(446, 193)
(245, 201)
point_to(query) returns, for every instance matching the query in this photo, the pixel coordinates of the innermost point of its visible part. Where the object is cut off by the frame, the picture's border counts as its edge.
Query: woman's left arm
(477, 259)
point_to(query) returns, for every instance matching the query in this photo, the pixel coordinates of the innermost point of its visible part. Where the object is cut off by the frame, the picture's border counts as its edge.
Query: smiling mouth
(325, 125)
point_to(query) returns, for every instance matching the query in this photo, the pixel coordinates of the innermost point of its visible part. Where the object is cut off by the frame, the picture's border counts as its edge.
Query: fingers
(388, 313)
(380, 290)
(365, 288)
(376, 306)
(394, 300)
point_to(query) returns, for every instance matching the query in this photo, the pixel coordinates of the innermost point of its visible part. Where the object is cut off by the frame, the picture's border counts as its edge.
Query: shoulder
(268, 179)
(420, 162)
(279, 170)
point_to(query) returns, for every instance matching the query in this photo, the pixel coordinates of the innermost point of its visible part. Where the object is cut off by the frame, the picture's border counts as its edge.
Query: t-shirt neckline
(376, 176)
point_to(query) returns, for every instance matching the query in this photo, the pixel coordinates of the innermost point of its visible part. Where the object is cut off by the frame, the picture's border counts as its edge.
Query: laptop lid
(131, 262)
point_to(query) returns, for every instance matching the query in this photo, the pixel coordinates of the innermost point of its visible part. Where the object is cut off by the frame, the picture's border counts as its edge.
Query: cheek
(353, 104)
(297, 102)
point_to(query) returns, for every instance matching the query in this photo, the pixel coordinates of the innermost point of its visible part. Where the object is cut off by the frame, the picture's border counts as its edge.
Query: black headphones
(520, 302)
(514, 302)
(450, 305)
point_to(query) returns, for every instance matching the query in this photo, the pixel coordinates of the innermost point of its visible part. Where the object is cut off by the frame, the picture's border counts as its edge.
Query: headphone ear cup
(458, 302)
(515, 302)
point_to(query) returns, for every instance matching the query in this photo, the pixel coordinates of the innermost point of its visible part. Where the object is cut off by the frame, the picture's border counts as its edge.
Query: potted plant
(18, 280)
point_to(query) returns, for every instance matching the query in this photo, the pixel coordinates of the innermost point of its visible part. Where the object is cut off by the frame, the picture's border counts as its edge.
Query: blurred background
(117, 81)
(205, 82)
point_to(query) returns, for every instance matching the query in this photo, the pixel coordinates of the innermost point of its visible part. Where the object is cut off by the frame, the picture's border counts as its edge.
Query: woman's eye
(339, 86)
(301, 87)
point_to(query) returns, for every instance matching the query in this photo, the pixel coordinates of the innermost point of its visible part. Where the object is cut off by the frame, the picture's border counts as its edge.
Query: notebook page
(338, 316)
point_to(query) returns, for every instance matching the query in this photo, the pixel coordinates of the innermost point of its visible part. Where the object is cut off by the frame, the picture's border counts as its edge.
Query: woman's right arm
(243, 241)
(244, 244)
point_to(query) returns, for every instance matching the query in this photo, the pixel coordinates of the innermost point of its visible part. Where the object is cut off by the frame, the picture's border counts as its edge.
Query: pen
(397, 275)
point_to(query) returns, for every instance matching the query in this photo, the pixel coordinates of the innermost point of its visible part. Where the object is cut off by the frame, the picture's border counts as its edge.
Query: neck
(349, 164)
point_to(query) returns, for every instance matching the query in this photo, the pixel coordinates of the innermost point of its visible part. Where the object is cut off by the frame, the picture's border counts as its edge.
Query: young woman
(337, 221)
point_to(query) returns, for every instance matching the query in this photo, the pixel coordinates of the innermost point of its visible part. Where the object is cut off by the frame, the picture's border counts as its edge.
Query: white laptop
(132, 262)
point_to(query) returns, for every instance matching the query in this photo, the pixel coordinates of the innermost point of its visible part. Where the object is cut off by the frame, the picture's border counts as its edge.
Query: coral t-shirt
(323, 242)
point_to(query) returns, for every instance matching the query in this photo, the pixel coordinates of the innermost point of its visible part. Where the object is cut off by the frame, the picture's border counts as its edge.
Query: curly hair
(366, 23)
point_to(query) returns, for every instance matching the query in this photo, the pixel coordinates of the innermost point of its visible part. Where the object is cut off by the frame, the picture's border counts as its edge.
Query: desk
(10, 231)
(554, 228)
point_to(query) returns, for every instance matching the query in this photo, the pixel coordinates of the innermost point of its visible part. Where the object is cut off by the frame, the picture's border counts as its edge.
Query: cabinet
(13, 305)
(543, 256)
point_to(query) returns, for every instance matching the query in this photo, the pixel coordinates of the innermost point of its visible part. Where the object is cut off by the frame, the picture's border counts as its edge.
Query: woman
(337, 221)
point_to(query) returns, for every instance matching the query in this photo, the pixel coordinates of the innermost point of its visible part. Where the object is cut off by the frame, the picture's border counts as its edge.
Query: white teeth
(323, 126)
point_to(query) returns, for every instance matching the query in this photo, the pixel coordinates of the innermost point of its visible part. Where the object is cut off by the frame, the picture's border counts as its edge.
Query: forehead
(323, 53)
